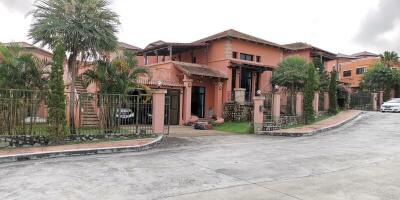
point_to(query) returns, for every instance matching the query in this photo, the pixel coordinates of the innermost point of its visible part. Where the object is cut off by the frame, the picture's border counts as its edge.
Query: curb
(81, 152)
(311, 133)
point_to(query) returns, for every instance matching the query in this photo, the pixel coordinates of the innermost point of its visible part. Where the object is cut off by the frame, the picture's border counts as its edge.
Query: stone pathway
(338, 119)
(58, 148)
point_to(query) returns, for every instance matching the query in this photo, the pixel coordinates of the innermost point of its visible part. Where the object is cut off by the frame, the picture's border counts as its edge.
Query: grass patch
(234, 127)
(320, 118)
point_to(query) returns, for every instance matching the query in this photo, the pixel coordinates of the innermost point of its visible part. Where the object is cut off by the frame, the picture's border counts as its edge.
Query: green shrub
(333, 93)
(56, 104)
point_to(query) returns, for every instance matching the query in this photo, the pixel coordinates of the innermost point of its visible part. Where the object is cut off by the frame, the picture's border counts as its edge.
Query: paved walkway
(358, 161)
(94, 145)
(341, 117)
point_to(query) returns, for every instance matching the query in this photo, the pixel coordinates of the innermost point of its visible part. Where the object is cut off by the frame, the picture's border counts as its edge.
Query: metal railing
(26, 113)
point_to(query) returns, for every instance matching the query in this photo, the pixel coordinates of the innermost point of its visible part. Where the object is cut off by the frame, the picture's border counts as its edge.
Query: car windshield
(394, 101)
(124, 111)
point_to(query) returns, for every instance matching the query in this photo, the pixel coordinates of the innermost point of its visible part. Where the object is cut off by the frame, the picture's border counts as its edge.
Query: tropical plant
(323, 75)
(20, 70)
(56, 98)
(333, 93)
(311, 85)
(389, 58)
(397, 82)
(116, 77)
(291, 75)
(84, 27)
(379, 77)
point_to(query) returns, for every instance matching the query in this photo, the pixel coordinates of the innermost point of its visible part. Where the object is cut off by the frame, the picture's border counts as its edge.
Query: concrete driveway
(361, 160)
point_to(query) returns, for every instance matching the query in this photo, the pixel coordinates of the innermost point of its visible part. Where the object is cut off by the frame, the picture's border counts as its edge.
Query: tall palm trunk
(72, 67)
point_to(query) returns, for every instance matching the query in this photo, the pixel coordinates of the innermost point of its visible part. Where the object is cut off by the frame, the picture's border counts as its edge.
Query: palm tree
(390, 58)
(84, 27)
(21, 75)
(20, 70)
(116, 77)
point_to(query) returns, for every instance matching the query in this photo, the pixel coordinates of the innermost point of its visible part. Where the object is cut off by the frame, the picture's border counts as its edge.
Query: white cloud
(381, 26)
(329, 24)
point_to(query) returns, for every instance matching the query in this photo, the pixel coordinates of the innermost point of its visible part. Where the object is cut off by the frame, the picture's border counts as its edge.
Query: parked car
(391, 106)
(125, 116)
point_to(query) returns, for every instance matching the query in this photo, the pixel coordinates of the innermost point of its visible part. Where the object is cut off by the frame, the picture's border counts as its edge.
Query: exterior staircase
(89, 116)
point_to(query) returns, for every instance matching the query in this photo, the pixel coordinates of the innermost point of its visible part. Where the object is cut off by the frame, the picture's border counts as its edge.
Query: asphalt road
(360, 160)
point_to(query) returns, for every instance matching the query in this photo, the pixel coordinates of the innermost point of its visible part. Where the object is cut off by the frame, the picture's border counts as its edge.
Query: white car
(391, 106)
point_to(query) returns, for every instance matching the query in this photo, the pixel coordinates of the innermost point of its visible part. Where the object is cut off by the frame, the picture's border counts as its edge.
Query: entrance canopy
(250, 65)
(198, 70)
(161, 48)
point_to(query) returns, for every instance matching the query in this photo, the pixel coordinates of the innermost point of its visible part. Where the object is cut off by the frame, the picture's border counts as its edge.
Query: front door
(246, 83)
(174, 96)
(198, 101)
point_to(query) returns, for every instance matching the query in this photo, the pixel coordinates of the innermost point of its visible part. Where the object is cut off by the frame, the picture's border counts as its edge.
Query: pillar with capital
(187, 98)
(258, 113)
(218, 99)
(158, 111)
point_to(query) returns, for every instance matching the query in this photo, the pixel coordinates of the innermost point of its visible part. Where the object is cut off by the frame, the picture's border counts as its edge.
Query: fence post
(316, 102)
(380, 98)
(258, 113)
(158, 111)
(326, 101)
(374, 98)
(299, 103)
(187, 99)
(276, 106)
(240, 94)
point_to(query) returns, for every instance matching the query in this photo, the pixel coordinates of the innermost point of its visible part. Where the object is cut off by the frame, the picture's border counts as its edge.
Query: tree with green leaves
(379, 77)
(323, 75)
(56, 98)
(20, 70)
(291, 74)
(396, 73)
(389, 58)
(333, 93)
(84, 27)
(116, 77)
(311, 85)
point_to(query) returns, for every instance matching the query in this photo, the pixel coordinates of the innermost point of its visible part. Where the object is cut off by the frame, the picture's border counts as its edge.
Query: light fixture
(159, 84)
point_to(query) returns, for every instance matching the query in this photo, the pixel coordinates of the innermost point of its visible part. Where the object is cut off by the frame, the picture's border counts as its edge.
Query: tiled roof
(128, 46)
(365, 54)
(340, 55)
(298, 46)
(197, 69)
(239, 35)
(26, 45)
(301, 45)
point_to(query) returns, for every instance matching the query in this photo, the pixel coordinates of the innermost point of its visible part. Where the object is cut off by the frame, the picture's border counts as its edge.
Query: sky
(345, 26)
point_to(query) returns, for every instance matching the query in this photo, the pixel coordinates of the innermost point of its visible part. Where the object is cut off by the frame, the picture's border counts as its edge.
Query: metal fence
(361, 100)
(22, 112)
(26, 113)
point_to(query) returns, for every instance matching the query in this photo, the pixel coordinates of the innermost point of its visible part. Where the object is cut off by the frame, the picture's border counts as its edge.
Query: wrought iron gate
(361, 100)
(114, 114)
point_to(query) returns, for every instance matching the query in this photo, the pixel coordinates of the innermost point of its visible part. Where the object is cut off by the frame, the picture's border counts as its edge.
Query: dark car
(125, 116)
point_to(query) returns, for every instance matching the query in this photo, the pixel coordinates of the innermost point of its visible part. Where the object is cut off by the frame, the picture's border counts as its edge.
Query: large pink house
(201, 76)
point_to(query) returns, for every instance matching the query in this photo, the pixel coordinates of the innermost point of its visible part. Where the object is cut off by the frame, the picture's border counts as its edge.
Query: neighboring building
(308, 52)
(352, 67)
(40, 53)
